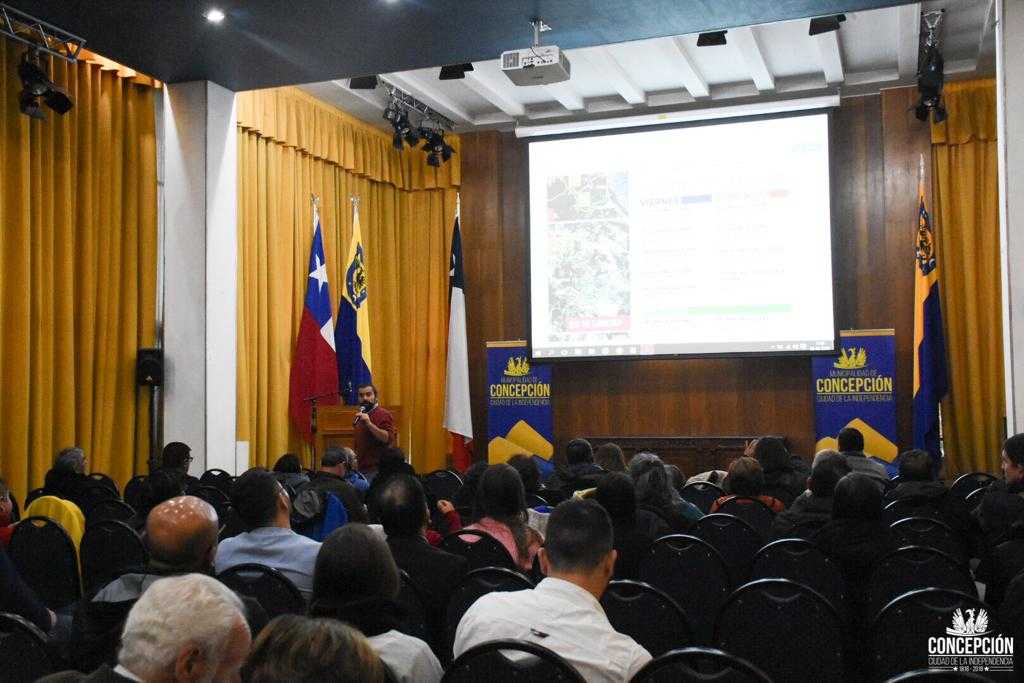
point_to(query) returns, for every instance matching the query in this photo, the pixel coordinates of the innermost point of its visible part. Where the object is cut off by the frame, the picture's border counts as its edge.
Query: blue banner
(856, 390)
(518, 404)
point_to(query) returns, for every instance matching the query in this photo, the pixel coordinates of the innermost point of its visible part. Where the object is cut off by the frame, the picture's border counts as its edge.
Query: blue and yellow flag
(352, 336)
(930, 380)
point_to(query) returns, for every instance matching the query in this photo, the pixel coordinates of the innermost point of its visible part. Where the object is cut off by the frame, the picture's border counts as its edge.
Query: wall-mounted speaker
(149, 367)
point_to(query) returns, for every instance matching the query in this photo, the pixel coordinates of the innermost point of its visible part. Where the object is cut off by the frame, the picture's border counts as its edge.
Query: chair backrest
(46, 559)
(91, 493)
(230, 524)
(109, 548)
(973, 498)
(442, 484)
(691, 572)
(1011, 611)
(801, 561)
(533, 501)
(776, 623)
(930, 533)
(913, 567)
(24, 656)
(103, 479)
(218, 479)
(734, 539)
(530, 663)
(901, 631)
(15, 508)
(479, 548)
(135, 492)
(752, 511)
(699, 665)
(911, 506)
(276, 594)
(937, 676)
(32, 495)
(474, 585)
(702, 494)
(215, 497)
(109, 509)
(648, 615)
(414, 613)
(966, 484)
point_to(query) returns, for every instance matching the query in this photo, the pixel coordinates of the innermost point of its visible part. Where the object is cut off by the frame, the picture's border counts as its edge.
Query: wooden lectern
(335, 428)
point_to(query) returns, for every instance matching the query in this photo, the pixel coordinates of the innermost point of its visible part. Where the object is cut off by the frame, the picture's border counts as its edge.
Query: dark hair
(500, 496)
(354, 562)
(362, 385)
(160, 486)
(676, 478)
(609, 456)
(402, 506)
(390, 458)
(289, 462)
(915, 465)
(338, 455)
(850, 439)
(254, 497)
(528, 472)
(857, 496)
(305, 650)
(579, 536)
(1014, 447)
(745, 478)
(826, 473)
(772, 453)
(466, 495)
(176, 455)
(579, 451)
(617, 496)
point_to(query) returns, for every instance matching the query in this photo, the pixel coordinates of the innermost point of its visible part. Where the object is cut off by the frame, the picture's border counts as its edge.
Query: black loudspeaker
(149, 367)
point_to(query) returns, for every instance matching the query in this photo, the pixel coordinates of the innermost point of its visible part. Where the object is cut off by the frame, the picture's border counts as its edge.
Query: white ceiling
(872, 50)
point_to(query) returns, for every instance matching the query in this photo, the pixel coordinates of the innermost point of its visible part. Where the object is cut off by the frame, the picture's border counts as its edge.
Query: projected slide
(711, 239)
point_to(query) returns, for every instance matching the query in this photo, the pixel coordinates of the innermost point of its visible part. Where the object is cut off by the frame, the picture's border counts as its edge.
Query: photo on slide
(587, 196)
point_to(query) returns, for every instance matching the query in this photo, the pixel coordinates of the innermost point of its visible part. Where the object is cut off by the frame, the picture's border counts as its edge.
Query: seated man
(177, 457)
(851, 445)
(813, 509)
(263, 506)
(929, 496)
(331, 479)
(183, 628)
(563, 612)
(1003, 503)
(347, 462)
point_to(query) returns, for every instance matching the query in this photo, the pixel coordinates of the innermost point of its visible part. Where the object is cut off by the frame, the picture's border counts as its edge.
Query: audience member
(633, 530)
(528, 473)
(744, 482)
(357, 582)
(303, 650)
(62, 511)
(812, 509)
(177, 457)
(183, 628)
(576, 470)
(288, 470)
(392, 463)
(563, 613)
(676, 478)
(851, 445)
(158, 487)
(1003, 502)
(655, 494)
(66, 478)
(264, 508)
(609, 457)
(930, 497)
(466, 496)
(785, 475)
(330, 479)
(500, 510)
(349, 462)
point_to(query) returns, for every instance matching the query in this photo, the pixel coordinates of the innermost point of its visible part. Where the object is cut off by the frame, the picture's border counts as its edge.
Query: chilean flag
(458, 418)
(315, 365)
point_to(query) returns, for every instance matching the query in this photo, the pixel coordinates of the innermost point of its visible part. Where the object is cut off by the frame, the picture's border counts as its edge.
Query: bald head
(181, 534)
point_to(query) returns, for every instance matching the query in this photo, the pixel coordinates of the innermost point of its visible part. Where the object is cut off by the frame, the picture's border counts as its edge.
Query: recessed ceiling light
(214, 15)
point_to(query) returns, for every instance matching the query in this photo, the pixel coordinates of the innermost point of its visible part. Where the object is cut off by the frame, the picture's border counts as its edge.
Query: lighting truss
(39, 35)
(410, 103)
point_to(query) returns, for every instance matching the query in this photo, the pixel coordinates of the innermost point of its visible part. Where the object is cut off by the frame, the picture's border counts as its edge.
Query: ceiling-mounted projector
(537, 65)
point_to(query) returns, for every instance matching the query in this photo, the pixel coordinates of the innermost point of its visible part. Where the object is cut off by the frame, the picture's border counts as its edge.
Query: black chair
(702, 494)
(801, 561)
(479, 548)
(911, 506)
(533, 501)
(92, 493)
(109, 548)
(475, 584)
(784, 628)
(109, 510)
(691, 572)
(46, 559)
(135, 492)
(966, 484)
(734, 539)
(103, 479)
(699, 665)
(276, 594)
(487, 662)
(15, 508)
(647, 615)
(911, 568)
(930, 533)
(937, 676)
(24, 656)
(218, 479)
(900, 632)
(973, 498)
(442, 484)
(230, 524)
(215, 497)
(752, 511)
(414, 614)
(32, 495)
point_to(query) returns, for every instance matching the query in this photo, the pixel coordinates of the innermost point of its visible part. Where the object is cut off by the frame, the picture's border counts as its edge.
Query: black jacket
(346, 493)
(434, 572)
(803, 518)
(1001, 506)
(104, 674)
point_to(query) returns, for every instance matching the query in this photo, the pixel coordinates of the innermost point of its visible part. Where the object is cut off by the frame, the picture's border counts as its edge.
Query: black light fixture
(711, 38)
(403, 129)
(452, 72)
(36, 84)
(363, 83)
(930, 74)
(434, 145)
(827, 24)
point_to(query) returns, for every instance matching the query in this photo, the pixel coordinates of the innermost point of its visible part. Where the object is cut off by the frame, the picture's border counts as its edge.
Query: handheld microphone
(362, 409)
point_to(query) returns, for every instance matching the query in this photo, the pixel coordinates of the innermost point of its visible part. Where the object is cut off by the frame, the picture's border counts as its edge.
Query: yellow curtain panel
(78, 233)
(966, 212)
(289, 147)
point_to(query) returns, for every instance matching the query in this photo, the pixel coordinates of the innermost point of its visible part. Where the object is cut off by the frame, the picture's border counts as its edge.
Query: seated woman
(500, 510)
(633, 530)
(744, 481)
(654, 492)
(356, 581)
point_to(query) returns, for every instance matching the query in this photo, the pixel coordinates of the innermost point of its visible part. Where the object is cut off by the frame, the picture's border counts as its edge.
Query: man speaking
(374, 430)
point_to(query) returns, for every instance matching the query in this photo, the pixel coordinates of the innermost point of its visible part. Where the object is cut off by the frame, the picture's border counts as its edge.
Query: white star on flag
(319, 273)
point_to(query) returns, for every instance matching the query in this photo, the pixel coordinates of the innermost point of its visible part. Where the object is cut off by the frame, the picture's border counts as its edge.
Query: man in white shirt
(563, 612)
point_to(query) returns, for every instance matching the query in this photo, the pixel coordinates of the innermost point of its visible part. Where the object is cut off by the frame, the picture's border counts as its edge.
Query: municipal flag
(457, 417)
(353, 333)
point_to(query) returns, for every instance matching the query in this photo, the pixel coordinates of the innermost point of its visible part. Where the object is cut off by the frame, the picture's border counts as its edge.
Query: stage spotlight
(711, 38)
(930, 75)
(434, 145)
(363, 83)
(825, 24)
(36, 84)
(453, 72)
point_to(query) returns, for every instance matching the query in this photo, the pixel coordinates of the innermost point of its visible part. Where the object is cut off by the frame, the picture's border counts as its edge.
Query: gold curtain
(289, 147)
(966, 213)
(78, 225)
